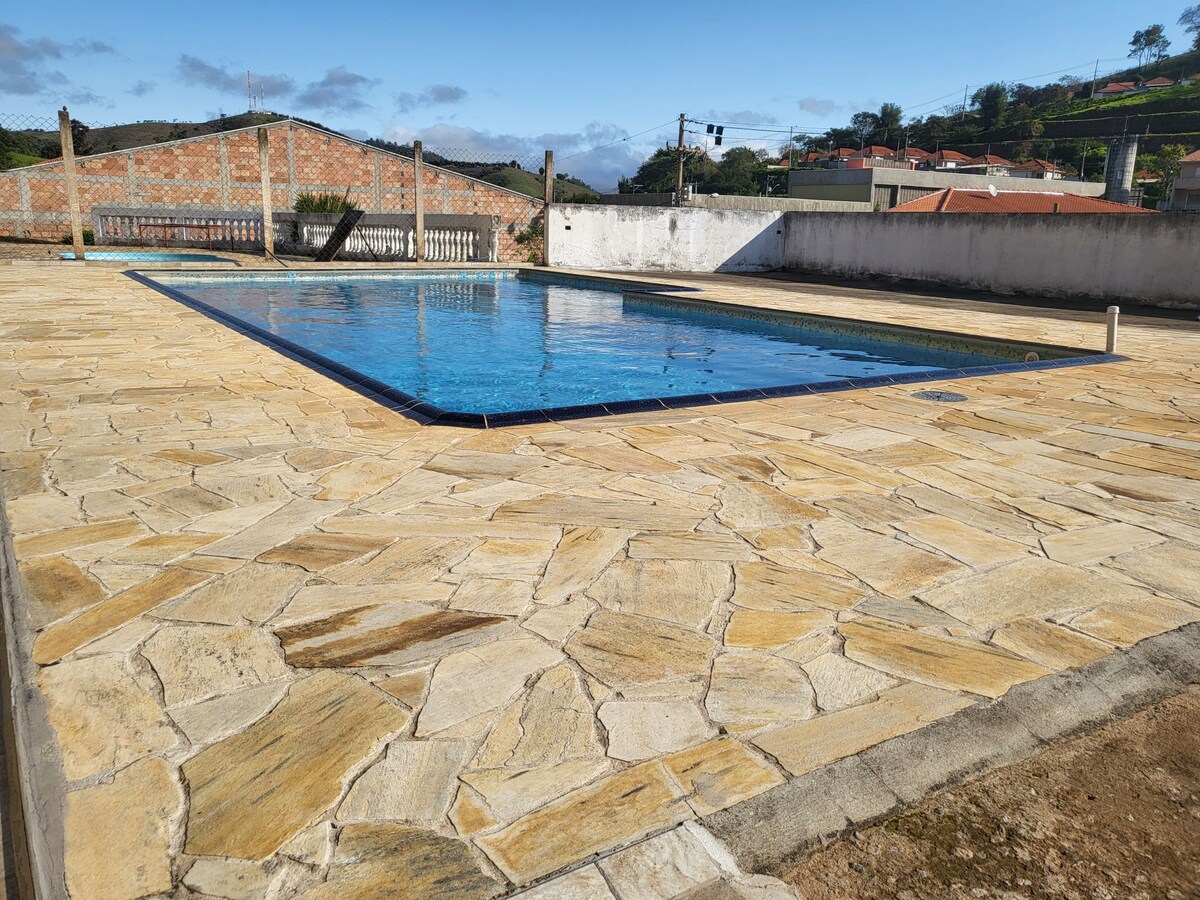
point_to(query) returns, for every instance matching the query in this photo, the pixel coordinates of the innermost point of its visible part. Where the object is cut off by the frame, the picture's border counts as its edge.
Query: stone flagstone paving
(307, 648)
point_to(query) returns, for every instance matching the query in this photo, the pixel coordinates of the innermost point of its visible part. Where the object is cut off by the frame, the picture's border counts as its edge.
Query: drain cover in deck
(940, 396)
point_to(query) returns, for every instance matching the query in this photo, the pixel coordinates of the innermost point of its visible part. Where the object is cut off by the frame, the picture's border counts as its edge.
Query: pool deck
(309, 648)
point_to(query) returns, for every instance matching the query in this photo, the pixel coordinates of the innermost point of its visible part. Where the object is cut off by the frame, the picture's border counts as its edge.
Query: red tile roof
(1191, 157)
(990, 159)
(1118, 87)
(842, 152)
(913, 153)
(1160, 81)
(1037, 165)
(951, 156)
(971, 200)
(874, 150)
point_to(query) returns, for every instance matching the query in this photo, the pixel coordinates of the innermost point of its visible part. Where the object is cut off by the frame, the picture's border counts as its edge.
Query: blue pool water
(145, 256)
(490, 342)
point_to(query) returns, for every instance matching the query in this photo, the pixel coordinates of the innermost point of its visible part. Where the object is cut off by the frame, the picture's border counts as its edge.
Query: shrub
(308, 202)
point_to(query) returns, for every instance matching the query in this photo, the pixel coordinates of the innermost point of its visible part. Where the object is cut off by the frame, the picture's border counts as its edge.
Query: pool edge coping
(425, 413)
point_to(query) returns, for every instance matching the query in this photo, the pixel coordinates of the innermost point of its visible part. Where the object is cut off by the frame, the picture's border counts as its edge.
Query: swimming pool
(144, 256)
(497, 347)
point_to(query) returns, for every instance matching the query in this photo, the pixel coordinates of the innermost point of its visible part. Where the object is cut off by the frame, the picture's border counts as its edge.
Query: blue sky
(517, 76)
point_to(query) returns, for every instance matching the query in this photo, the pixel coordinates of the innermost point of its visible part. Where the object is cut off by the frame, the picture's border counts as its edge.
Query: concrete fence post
(548, 201)
(419, 199)
(264, 175)
(68, 153)
(1110, 345)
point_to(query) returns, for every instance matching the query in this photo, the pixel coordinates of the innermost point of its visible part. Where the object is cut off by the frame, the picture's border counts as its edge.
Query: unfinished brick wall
(220, 172)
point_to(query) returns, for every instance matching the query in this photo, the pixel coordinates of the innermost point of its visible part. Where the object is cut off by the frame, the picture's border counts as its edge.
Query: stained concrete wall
(1152, 259)
(732, 201)
(860, 184)
(669, 240)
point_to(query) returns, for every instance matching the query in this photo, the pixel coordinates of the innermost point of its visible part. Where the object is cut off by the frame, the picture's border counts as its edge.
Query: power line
(614, 143)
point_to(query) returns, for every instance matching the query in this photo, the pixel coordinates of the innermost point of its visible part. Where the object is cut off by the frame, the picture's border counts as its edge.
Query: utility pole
(679, 173)
(1095, 73)
(966, 87)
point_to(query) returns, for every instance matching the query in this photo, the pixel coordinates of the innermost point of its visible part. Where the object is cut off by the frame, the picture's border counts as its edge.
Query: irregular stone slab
(684, 591)
(950, 663)
(390, 634)
(617, 810)
(253, 791)
(499, 596)
(408, 560)
(250, 593)
(754, 505)
(1049, 645)
(579, 558)
(805, 746)
(623, 650)
(413, 783)
(233, 879)
(840, 682)
(317, 550)
(640, 730)
(126, 856)
(408, 688)
(56, 587)
(101, 715)
(502, 557)
(361, 478)
(195, 662)
(60, 639)
(559, 509)
(70, 538)
(273, 529)
(579, 884)
(321, 600)
(484, 678)
(373, 860)
(1124, 624)
(886, 564)
(1171, 568)
(1027, 588)
(749, 688)
(552, 723)
(673, 864)
(470, 814)
(623, 458)
(769, 586)
(963, 542)
(981, 516)
(511, 793)
(470, 464)
(906, 612)
(220, 717)
(554, 623)
(1087, 545)
(707, 547)
(720, 773)
(765, 630)
(162, 548)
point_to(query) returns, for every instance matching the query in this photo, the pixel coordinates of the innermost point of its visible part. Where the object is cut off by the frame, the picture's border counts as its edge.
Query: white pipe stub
(1110, 345)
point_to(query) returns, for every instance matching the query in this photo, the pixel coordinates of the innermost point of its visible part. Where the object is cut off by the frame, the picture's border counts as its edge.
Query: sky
(600, 84)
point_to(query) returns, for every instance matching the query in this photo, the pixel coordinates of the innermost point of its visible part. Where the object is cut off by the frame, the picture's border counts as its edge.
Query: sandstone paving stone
(272, 529)
(640, 730)
(749, 688)
(949, 663)
(552, 722)
(374, 859)
(964, 543)
(470, 814)
(802, 747)
(63, 637)
(671, 864)
(162, 548)
(191, 500)
(408, 559)
(499, 596)
(215, 719)
(558, 509)
(770, 586)
(555, 623)
(1087, 545)
(317, 550)
(392, 634)
(250, 593)
(1172, 569)
(195, 662)
(503, 558)
(1048, 644)
(408, 688)
(839, 682)
(69, 538)
(579, 557)
(481, 679)
(55, 587)
(1126, 623)
(103, 717)
(615, 811)
(235, 519)
(360, 478)
(44, 512)
(719, 773)
(253, 791)
(413, 783)
(888, 565)
(512, 792)
(754, 505)
(766, 630)
(707, 547)
(906, 612)
(684, 592)
(320, 601)
(579, 884)
(977, 515)
(125, 856)
(1028, 587)
(623, 651)
(233, 879)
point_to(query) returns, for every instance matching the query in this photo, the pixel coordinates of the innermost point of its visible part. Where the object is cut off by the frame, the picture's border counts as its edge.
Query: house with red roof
(1113, 88)
(987, 164)
(874, 152)
(949, 159)
(1038, 168)
(971, 200)
(1185, 190)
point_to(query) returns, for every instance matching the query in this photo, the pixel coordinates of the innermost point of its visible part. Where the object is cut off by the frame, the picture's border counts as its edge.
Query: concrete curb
(768, 831)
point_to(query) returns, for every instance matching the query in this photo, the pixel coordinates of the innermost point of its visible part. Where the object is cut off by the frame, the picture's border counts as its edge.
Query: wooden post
(547, 202)
(264, 174)
(419, 199)
(68, 152)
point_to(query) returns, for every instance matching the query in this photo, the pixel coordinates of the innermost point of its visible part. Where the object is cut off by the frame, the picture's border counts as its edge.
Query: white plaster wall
(1154, 259)
(669, 240)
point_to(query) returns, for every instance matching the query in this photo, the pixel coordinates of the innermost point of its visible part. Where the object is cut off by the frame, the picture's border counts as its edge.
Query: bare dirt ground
(1113, 814)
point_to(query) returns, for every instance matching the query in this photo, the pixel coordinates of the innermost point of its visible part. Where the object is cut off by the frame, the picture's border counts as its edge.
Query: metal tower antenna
(249, 93)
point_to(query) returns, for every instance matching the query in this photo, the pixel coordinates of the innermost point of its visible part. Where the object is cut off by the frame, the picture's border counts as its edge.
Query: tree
(740, 171)
(992, 102)
(79, 138)
(1190, 20)
(657, 174)
(863, 125)
(889, 120)
(1148, 45)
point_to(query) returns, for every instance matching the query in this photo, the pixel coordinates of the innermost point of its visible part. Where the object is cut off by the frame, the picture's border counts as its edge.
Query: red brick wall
(191, 173)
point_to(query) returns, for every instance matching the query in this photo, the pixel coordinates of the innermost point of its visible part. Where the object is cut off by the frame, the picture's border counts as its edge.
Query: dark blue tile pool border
(427, 414)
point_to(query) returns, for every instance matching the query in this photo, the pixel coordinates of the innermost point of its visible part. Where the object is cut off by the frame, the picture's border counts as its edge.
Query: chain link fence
(260, 185)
